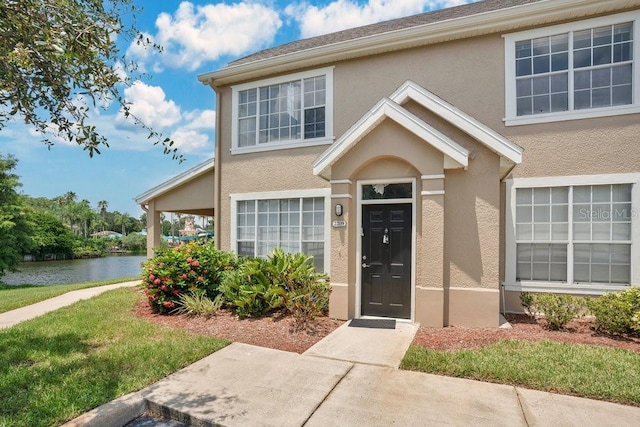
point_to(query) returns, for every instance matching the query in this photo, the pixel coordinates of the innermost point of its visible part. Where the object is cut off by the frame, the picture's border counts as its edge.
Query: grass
(58, 366)
(589, 371)
(12, 297)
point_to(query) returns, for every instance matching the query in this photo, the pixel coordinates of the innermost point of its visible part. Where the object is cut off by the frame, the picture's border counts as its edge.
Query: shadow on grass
(4, 286)
(67, 362)
(45, 377)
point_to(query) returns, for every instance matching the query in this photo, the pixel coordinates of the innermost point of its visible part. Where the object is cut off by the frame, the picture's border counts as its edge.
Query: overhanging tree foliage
(59, 59)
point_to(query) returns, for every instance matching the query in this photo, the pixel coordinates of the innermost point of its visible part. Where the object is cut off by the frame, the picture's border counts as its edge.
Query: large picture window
(572, 235)
(294, 224)
(576, 69)
(283, 111)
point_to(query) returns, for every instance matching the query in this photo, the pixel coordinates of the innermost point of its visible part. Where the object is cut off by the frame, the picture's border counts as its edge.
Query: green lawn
(12, 297)
(589, 371)
(55, 367)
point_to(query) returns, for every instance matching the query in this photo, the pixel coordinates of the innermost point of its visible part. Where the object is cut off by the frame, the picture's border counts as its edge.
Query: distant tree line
(61, 227)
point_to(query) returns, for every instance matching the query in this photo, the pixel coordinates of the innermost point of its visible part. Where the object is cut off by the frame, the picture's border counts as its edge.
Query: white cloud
(191, 141)
(149, 104)
(194, 133)
(343, 14)
(201, 119)
(196, 34)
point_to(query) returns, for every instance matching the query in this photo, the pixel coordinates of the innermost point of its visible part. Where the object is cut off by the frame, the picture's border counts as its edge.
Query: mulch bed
(280, 333)
(524, 329)
(276, 332)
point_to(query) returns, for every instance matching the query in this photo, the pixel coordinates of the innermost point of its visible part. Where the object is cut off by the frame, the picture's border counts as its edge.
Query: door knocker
(385, 237)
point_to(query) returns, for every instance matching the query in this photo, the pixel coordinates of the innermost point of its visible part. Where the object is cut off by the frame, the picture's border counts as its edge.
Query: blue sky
(198, 37)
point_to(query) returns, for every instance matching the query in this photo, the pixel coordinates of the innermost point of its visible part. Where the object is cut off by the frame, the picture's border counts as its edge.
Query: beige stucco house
(436, 166)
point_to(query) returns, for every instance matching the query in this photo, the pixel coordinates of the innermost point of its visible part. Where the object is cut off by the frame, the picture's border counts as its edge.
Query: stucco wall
(194, 195)
(470, 75)
(277, 170)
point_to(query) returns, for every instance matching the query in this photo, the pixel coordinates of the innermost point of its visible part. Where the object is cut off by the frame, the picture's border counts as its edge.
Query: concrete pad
(244, 385)
(549, 409)
(16, 316)
(378, 396)
(384, 347)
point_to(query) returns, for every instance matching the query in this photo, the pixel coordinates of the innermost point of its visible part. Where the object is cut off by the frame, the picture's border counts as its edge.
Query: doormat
(373, 323)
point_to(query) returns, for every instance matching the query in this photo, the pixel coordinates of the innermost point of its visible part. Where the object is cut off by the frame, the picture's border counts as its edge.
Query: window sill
(571, 115)
(564, 288)
(282, 146)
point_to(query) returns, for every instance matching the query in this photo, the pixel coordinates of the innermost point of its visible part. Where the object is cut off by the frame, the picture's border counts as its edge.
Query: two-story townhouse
(438, 165)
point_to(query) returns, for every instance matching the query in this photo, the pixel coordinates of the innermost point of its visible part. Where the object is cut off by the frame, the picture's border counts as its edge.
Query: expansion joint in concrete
(522, 409)
(328, 394)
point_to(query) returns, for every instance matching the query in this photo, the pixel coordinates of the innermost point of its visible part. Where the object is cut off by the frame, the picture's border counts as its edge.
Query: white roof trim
(493, 140)
(455, 155)
(174, 182)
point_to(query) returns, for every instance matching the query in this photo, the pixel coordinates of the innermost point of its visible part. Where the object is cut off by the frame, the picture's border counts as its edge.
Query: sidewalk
(14, 317)
(332, 384)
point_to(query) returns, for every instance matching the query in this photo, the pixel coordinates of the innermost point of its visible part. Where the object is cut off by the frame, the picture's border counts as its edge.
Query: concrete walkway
(14, 317)
(350, 378)
(334, 384)
(244, 385)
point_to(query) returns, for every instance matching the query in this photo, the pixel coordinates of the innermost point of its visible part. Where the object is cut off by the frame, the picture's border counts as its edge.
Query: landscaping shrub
(199, 304)
(282, 281)
(197, 278)
(617, 313)
(307, 302)
(191, 267)
(250, 291)
(559, 309)
(528, 301)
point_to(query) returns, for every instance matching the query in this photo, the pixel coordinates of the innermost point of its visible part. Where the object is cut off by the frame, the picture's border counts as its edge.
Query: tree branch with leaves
(59, 59)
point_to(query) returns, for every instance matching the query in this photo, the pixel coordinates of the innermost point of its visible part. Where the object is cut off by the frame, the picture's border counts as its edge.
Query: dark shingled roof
(382, 27)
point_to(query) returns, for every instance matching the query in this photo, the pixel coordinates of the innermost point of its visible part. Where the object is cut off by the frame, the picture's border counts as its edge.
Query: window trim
(281, 145)
(511, 284)
(286, 194)
(512, 119)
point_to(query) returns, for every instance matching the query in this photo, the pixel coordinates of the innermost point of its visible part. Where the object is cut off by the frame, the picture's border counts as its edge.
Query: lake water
(75, 271)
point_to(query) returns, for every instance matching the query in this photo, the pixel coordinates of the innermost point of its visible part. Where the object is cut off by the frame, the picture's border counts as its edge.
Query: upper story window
(573, 71)
(294, 110)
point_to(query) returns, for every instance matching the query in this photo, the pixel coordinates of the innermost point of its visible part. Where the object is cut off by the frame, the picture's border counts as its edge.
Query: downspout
(216, 170)
(503, 307)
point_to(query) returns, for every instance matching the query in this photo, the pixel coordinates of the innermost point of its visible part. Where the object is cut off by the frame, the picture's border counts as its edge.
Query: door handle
(365, 265)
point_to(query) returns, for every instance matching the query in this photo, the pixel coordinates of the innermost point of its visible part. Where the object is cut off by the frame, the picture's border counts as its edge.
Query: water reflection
(75, 271)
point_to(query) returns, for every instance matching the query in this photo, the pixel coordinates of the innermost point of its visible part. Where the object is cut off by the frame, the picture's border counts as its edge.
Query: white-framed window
(573, 71)
(573, 234)
(281, 112)
(296, 221)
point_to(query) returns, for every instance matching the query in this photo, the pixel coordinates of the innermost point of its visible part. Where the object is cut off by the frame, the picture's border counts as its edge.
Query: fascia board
(502, 20)
(356, 132)
(176, 181)
(433, 137)
(383, 109)
(493, 140)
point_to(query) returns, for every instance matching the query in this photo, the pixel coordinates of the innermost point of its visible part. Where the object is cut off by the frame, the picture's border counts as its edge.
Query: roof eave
(456, 155)
(508, 19)
(174, 182)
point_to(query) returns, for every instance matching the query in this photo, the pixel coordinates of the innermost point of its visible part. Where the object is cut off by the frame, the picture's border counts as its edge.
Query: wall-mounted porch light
(338, 208)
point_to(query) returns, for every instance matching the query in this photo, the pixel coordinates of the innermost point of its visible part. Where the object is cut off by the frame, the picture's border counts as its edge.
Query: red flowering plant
(193, 267)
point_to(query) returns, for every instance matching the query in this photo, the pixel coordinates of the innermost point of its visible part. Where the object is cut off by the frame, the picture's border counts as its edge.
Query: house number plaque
(339, 223)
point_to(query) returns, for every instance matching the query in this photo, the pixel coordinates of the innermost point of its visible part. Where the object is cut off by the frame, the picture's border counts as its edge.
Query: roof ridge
(381, 27)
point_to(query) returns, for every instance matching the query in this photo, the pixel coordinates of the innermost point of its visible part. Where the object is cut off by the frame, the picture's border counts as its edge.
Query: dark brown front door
(386, 260)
